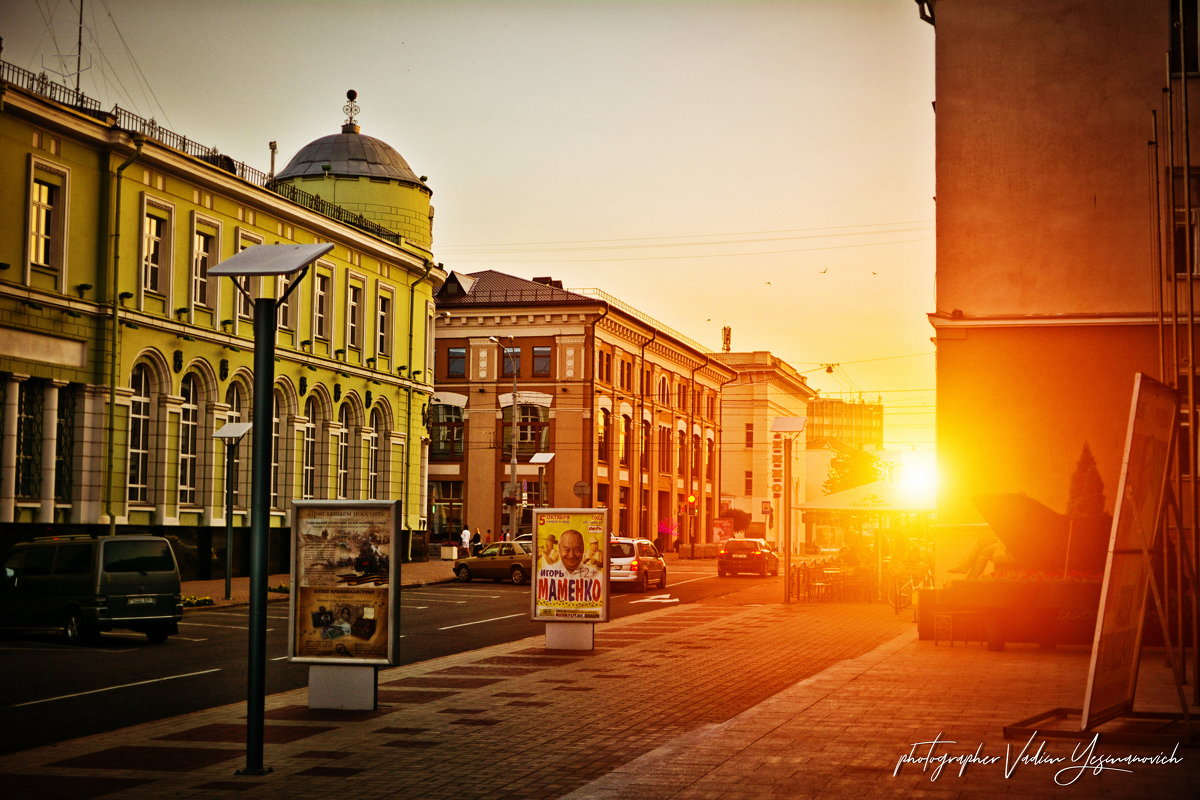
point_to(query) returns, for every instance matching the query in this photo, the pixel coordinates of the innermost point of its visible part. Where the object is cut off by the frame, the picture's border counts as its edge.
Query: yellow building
(626, 410)
(120, 358)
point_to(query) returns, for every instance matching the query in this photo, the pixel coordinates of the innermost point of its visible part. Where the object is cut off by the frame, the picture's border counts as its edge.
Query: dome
(349, 153)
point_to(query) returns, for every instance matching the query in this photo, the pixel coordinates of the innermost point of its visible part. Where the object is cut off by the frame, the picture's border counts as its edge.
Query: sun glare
(918, 476)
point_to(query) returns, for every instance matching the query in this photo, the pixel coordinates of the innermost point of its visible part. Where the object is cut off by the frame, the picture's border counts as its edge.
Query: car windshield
(490, 550)
(742, 546)
(621, 550)
(138, 556)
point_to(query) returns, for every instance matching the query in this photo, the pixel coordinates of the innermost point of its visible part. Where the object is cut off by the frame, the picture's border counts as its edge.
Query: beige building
(752, 459)
(1050, 241)
(623, 411)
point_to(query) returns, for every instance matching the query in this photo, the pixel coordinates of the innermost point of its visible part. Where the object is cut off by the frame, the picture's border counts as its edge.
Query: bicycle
(903, 584)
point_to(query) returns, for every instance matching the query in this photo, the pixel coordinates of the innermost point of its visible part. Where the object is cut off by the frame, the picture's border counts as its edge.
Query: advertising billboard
(344, 572)
(570, 565)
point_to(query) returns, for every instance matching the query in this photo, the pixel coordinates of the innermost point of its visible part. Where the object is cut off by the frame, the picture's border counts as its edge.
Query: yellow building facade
(120, 357)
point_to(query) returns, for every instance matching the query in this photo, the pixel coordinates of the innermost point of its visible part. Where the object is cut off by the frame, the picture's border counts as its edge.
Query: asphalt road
(54, 691)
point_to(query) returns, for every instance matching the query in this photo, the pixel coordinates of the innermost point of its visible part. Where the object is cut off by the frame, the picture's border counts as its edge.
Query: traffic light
(689, 504)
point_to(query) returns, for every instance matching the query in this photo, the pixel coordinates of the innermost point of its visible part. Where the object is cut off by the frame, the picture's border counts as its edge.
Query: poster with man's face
(570, 565)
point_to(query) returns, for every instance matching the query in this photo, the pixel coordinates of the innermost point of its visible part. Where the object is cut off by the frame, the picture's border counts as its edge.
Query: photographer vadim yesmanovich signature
(1083, 759)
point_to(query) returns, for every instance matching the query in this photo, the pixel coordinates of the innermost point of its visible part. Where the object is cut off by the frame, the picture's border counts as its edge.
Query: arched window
(235, 398)
(375, 477)
(308, 458)
(664, 391)
(695, 455)
(645, 444)
(278, 413)
(604, 435)
(626, 440)
(682, 451)
(139, 435)
(710, 463)
(189, 428)
(343, 453)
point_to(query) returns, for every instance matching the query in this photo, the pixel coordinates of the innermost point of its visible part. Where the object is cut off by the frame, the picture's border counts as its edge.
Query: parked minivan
(82, 585)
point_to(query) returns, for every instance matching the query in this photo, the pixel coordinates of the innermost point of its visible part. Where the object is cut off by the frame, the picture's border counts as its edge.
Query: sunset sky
(762, 165)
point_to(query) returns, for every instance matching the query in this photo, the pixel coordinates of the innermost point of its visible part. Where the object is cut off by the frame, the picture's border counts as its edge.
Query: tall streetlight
(253, 263)
(791, 427)
(514, 510)
(231, 434)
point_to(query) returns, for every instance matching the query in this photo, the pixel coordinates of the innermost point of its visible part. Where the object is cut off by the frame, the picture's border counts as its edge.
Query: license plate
(140, 600)
(739, 555)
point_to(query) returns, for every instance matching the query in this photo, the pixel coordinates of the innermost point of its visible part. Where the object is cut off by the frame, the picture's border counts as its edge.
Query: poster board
(570, 565)
(344, 573)
(1116, 647)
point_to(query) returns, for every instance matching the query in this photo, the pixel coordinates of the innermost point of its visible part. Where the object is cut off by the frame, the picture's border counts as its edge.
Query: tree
(852, 468)
(1086, 495)
(741, 519)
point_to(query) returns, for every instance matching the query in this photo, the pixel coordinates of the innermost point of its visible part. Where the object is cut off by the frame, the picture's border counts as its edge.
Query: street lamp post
(514, 510)
(541, 459)
(255, 262)
(231, 434)
(791, 427)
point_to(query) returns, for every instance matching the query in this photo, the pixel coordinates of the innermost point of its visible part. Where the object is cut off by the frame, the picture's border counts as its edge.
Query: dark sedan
(747, 555)
(499, 561)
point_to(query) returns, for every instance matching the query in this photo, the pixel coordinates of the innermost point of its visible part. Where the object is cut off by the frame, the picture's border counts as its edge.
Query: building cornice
(941, 320)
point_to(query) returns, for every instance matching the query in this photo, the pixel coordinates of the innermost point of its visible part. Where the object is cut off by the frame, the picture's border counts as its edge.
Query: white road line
(480, 622)
(227, 627)
(422, 608)
(111, 688)
(281, 658)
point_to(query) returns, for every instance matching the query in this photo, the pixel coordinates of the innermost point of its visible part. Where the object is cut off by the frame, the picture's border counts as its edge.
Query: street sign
(582, 489)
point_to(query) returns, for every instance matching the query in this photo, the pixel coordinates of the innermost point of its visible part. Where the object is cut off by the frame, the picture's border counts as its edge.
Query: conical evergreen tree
(1087, 488)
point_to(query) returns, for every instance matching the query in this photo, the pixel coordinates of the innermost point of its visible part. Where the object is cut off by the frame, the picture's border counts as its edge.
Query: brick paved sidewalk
(739, 699)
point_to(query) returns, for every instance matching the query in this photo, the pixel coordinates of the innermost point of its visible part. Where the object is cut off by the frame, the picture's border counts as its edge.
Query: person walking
(466, 540)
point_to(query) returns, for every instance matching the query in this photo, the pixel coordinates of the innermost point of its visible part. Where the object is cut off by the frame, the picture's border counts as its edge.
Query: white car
(636, 561)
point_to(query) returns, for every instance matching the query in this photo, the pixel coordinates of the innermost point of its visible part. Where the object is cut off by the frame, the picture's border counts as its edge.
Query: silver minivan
(637, 562)
(82, 585)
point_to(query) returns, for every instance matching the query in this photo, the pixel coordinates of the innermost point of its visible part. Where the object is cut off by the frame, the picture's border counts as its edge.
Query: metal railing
(133, 123)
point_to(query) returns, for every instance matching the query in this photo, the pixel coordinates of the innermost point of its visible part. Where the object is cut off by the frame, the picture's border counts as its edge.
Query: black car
(747, 555)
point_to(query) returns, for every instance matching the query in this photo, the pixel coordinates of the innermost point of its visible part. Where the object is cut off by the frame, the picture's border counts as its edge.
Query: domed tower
(365, 176)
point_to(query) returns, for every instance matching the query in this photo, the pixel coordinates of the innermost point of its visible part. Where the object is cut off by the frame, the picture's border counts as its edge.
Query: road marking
(479, 622)
(658, 598)
(281, 658)
(212, 625)
(111, 688)
(417, 607)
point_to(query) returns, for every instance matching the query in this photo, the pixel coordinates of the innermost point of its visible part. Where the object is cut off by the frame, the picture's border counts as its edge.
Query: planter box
(449, 553)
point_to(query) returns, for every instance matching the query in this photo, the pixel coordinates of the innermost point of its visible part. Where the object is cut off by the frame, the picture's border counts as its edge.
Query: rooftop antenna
(78, 57)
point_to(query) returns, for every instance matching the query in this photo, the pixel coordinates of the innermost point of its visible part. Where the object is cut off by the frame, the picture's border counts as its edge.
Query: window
(645, 444)
(664, 391)
(343, 453)
(664, 448)
(376, 468)
(696, 452)
(604, 435)
(354, 319)
(604, 367)
(626, 441)
(29, 440)
(322, 305)
(64, 452)
(445, 432)
(203, 252)
(749, 435)
(278, 413)
(682, 448)
(681, 396)
(541, 362)
(1185, 227)
(447, 520)
(154, 231)
(510, 365)
(308, 458)
(748, 486)
(533, 430)
(383, 325)
(189, 425)
(45, 224)
(139, 436)
(234, 398)
(245, 299)
(710, 462)
(456, 362)
(283, 313)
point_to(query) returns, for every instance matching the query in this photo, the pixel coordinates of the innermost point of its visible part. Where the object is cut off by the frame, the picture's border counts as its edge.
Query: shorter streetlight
(231, 434)
(791, 427)
(541, 459)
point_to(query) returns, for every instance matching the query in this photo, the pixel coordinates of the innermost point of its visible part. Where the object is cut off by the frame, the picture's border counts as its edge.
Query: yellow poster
(570, 565)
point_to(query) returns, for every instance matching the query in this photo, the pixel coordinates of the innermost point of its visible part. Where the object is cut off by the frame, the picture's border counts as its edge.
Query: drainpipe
(691, 462)
(412, 302)
(115, 350)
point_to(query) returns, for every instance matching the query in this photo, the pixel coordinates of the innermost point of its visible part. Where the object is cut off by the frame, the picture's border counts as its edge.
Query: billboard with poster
(344, 572)
(570, 565)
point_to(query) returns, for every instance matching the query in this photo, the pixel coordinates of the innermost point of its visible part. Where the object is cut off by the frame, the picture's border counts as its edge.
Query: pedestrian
(466, 540)
(476, 544)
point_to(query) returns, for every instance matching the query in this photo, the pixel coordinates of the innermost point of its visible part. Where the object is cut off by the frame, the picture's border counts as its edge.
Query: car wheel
(518, 575)
(662, 582)
(644, 584)
(762, 571)
(77, 631)
(158, 635)
(463, 573)
(720, 572)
